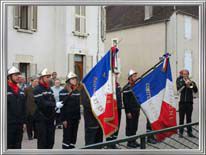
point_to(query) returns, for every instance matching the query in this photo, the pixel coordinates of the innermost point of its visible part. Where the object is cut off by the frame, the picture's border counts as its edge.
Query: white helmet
(44, 72)
(131, 72)
(116, 71)
(13, 70)
(70, 75)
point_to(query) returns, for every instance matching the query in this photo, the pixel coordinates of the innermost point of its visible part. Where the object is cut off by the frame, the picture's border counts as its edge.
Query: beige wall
(177, 44)
(188, 44)
(140, 48)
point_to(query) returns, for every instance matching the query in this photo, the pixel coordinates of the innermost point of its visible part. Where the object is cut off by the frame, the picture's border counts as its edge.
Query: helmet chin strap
(43, 81)
(11, 79)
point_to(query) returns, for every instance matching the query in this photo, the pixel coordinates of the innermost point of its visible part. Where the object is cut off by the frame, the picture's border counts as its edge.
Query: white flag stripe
(98, 100)
(152, 107)
(169, 94)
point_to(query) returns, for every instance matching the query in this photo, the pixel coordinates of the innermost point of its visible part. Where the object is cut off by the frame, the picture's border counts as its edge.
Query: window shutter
(77, 10)
(34, 18)
(83, 25)
(16, 17)
(83, 10)
(77, 24)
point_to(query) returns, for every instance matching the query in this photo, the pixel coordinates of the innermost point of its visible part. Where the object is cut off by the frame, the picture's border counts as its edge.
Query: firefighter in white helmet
(132, 108)
(45, 113)
(16, 111)
(70, 112)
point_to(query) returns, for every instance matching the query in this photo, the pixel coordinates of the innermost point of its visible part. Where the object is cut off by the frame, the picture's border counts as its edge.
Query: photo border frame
(202, 73)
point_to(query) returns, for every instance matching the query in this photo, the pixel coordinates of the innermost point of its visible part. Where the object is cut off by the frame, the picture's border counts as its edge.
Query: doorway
(78, 66)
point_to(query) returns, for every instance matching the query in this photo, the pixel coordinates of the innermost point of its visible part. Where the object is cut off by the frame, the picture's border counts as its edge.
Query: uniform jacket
(186, 94)
(89, 118)
(45, 102)
(129, 100)
(16, 108)
(71, 105)
(119, 96)
(30, 103)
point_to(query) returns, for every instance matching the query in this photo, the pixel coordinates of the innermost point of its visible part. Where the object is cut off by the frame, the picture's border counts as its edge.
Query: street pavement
(32, 144)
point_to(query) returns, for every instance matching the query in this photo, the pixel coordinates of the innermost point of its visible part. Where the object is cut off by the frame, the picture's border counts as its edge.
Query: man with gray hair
(31, 107)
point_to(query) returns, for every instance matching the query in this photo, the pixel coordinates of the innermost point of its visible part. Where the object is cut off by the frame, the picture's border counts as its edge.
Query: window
(188, 27)
(80, 20)
(148, 10)
(188, 61)
(25, 18)
(103, 23)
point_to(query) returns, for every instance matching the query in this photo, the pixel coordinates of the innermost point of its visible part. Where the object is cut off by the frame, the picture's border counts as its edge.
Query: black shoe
(191, 135)
(151, 140)
(71, 146)
(180, 135)
(132, 144)
(137, 144)
(114, 146)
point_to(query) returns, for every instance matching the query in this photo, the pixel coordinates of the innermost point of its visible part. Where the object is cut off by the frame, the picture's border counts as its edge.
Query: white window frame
(187, 27)
(148, 12)
(83, 21)
(188, 61)
(31, 21)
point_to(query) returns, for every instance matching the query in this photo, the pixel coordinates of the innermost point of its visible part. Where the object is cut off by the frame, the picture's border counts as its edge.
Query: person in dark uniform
(119, 108)
(16, 110)
(31, 108)
(45, 112)
(186, 88)
(70, 112)
(150, 139)
(132, 109)
(93, 131)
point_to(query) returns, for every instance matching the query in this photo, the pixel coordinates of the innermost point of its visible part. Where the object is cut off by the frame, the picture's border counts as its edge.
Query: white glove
(59, 105)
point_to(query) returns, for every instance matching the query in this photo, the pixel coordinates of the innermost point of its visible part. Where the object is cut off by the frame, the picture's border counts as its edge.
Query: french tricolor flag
(100, 86)
(156, 96)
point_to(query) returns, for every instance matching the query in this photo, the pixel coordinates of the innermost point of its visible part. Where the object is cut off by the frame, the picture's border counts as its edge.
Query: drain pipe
(97, 58)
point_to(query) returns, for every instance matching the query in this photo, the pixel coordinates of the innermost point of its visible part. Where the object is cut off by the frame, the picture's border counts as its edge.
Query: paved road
(32, 144)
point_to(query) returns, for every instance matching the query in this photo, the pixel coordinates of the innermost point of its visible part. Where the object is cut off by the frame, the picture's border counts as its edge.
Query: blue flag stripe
(152, 84)
(98, 75)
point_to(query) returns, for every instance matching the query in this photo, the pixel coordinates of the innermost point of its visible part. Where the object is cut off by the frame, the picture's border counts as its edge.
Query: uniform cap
(13, 70)
(44, 72)
(70, 75)
(131, 72)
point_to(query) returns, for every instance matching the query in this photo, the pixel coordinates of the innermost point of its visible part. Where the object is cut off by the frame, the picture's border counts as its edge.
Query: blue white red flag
(155, 95)
(100, 86)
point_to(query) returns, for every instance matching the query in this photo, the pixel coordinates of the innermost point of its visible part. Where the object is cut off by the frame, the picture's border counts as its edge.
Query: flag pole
(144, 74)
(148, 71)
